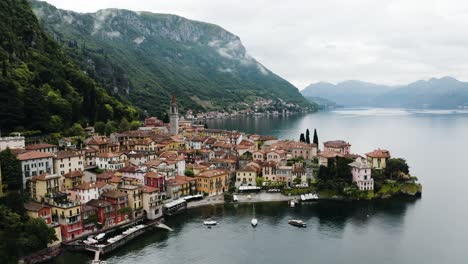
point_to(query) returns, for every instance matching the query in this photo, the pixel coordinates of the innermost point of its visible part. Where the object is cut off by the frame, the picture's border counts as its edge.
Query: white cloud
(386, 41)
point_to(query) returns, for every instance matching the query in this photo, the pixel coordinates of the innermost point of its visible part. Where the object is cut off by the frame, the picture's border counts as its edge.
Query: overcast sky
(387, 42)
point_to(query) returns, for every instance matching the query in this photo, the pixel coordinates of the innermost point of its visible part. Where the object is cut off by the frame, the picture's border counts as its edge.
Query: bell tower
(174, 117)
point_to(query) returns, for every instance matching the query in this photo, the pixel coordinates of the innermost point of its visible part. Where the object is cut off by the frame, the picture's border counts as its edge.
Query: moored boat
(298, 223)
(254, 222)
(210, 223)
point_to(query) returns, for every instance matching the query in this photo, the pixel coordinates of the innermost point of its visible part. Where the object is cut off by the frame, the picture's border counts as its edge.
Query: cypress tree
(307, 138)
(315, 137)
(302, 138)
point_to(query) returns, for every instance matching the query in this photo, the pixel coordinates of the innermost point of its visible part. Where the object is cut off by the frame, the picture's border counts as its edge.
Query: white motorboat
(100, 236)
(210, 223)
(235, 198)
(303, 197)
(254, 222)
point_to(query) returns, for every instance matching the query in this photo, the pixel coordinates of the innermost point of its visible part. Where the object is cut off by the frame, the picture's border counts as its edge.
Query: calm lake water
(432, 229)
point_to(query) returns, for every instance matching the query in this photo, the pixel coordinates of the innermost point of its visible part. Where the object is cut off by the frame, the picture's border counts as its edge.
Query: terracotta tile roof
(115, 179)
(39, 146)
(105, 175)
(336, 144)
(114, 194)
(67, 154)
(212, 173)
(379, 153)
(44, 176)
(108, 155)
(34, 206)
(98, 203)
(153, 175)
(149, 189)
(74, 174)
(33, 155)
(195, 166)
(90, 185)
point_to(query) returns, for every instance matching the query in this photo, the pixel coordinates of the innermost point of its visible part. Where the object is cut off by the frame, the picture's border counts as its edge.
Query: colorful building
(212, 182)
(378, 158)
(362, 175)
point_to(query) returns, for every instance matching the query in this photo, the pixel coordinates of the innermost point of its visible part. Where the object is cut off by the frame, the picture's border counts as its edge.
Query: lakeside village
(160, 169)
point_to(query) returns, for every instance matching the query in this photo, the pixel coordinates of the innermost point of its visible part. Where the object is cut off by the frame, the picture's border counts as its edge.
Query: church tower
(174, 117)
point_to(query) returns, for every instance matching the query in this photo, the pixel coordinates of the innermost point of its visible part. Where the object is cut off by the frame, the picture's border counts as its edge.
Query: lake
(431, 229)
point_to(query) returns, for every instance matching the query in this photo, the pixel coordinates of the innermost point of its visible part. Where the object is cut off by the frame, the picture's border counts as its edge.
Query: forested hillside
(145, 58)
(40, 87)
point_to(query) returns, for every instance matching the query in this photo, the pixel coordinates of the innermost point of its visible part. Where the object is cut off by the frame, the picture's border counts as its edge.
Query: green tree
(124, 125)
(100, 127)
(165, 118)
(395, 167)
(110, 127)
(76, 130)
(12, 175)
(315, 141)
(302, 138)
(135, 124)
(189, 173)
(307, 138)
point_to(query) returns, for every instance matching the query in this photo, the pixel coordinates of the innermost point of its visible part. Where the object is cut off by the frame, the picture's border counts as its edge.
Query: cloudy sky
(387, 42)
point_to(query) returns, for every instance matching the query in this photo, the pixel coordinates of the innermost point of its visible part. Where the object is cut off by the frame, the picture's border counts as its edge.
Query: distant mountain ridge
(445, 92)
(145, 58)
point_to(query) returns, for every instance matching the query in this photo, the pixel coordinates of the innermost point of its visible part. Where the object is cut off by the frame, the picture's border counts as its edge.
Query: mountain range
(445, 92)
(144, 58)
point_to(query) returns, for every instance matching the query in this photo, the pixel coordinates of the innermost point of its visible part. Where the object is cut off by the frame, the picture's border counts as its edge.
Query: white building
(35, 163)
(68, 161)
(87, 191)
(109, 161)
(152, 202)
(11, 143)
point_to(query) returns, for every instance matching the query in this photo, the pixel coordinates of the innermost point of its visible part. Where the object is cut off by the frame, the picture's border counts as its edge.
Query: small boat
(298, 223)
(235, 198)
(254, 222)
(100, 236)
(292, 203)
(210, 223)
(303, 197)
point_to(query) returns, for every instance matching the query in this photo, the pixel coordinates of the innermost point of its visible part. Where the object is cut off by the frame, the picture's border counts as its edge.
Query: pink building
(362, 176)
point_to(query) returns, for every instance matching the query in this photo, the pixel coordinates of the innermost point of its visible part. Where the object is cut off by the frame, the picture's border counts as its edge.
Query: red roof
(336, 144)
(33, 155)
(379, 153)
(73, 174)
(39, 146)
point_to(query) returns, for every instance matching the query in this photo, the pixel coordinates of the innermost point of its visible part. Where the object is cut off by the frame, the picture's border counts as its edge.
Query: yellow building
(73, 179)
(68, 216)
(135, 198)
(377, 159)
(212, 182)
(43, 185)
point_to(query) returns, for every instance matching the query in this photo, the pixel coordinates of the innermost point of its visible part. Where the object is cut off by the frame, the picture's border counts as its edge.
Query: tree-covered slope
(145, 58)
(40, 88)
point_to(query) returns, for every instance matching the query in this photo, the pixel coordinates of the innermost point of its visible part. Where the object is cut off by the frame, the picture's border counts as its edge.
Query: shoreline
(279, 197)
